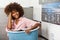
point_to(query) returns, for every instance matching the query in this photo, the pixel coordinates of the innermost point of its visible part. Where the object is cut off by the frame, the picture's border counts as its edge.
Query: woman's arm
(33, 27)
(9, 25)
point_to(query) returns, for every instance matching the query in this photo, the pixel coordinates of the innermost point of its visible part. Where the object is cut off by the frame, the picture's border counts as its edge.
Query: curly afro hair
(14, 6)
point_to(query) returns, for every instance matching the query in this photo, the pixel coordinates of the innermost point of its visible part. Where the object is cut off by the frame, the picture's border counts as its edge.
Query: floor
(41, 39)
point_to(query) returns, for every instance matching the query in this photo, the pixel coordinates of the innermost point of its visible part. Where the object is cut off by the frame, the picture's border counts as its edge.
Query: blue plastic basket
(21, 35)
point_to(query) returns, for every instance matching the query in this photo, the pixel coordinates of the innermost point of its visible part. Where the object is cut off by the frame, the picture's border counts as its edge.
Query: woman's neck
(16, 21)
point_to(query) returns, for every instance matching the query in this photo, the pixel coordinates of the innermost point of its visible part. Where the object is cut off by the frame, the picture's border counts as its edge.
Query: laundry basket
(21, 35)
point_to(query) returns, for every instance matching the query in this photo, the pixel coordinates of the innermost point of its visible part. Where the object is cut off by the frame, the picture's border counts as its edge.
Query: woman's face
(15, 14)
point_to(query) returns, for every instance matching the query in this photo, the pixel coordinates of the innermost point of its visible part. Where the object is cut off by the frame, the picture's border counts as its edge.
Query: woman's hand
(9, 16)
(27, 31)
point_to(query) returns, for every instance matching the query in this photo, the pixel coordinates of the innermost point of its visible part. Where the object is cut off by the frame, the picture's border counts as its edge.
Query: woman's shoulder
(24, 18)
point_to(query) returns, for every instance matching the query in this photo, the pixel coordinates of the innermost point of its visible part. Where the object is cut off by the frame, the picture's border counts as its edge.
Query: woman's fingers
(9, 14)
(27, 31)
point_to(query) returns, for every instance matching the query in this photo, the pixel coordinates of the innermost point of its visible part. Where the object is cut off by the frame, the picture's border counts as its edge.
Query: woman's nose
(16, 12)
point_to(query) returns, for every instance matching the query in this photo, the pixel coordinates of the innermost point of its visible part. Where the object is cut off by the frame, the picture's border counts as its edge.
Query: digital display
(51, 13)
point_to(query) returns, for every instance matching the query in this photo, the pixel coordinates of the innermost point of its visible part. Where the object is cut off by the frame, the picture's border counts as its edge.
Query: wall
(28, 12)
(37, 12)
(24, 3)
(3, 22)
(53, 31)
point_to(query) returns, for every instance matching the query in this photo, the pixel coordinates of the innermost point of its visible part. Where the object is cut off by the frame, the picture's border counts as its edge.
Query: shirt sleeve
(30, 23)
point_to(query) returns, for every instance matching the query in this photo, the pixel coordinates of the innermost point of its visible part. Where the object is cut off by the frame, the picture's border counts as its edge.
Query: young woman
(16, 21)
